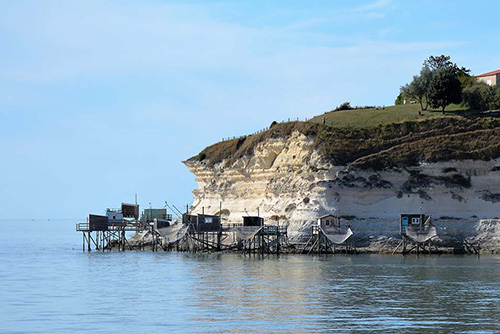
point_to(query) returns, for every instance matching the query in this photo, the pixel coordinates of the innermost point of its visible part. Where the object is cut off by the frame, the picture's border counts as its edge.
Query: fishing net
(336, 237)
(246, 232)
(173, 233)
(421, 236)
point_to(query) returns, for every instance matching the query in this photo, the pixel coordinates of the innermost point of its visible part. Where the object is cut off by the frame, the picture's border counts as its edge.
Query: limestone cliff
(291, 177)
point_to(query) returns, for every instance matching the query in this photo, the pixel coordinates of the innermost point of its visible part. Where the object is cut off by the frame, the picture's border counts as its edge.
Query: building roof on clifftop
(487, 74)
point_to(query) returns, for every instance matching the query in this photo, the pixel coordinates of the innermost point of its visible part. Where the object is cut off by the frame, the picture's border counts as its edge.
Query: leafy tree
(479, 96)
(444, 62)
(444, 88)
(418, 87)
(399, 100)
(494, 103)
(439, 83)
(438, 62)
(467, 80)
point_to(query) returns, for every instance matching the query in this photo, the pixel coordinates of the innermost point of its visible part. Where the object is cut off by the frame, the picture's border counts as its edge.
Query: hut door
(404, 224)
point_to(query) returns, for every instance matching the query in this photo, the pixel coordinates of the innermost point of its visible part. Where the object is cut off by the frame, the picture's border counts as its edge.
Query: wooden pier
(268, 239)
(112, 236)
(194, 233)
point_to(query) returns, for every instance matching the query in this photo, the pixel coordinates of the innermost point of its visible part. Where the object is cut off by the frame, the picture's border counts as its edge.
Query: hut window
(415, 220)
(208, 220)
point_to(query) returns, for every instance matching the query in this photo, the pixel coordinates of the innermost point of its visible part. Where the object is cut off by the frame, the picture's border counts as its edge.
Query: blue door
(404, 224)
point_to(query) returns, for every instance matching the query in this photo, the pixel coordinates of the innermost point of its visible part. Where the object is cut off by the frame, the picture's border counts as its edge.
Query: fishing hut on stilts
(204, 232)
(254, 236)
(153, 222)
(417, 232)
(103, 232)
(329, 236)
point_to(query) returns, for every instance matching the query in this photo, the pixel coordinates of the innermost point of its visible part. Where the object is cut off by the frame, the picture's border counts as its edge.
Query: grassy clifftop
(367, 117)
(430, 137)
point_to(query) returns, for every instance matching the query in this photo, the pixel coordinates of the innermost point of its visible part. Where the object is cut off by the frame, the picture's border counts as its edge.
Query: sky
(102, 100)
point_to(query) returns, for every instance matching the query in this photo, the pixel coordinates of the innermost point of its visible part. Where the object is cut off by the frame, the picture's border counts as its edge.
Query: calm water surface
(48, 285)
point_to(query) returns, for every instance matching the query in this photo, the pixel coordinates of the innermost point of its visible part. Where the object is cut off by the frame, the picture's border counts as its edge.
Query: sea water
(48, 285)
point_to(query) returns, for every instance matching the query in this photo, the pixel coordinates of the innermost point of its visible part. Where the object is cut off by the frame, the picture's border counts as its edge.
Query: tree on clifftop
(439, 84)
(444, 62)
(417, 89)
(444, 88)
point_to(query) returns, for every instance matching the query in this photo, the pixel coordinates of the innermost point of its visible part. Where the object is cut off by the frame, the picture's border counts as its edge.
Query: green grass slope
(378, 139)
(367, 117)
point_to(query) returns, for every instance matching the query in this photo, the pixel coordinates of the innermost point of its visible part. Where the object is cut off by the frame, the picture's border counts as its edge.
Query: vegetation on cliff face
(379, 147)
(233, 149)
(483, 144)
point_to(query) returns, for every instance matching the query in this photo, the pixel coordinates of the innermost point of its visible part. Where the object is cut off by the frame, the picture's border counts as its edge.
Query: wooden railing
(85, 227)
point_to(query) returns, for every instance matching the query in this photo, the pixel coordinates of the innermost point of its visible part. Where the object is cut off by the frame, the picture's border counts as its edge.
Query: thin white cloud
(307, 23)
(375, 6)
(374, 10)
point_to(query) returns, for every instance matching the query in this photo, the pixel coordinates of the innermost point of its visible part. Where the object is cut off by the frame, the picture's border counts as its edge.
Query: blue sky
(100, 100)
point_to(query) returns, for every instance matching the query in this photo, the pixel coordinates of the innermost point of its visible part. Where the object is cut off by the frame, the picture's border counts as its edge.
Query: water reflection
(50, 286)
(337, 294)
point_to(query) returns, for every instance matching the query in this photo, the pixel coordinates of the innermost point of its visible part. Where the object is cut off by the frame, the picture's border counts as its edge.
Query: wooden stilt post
(320, 240)
(278, 242)
(153, 239)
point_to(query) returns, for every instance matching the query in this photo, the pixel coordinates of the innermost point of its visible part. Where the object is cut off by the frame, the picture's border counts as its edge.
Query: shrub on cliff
(478, 96)
(344, 106)
(481, 96)
(202, 156)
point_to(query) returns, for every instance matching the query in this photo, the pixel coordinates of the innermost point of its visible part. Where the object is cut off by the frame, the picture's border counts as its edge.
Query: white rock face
(288, 178)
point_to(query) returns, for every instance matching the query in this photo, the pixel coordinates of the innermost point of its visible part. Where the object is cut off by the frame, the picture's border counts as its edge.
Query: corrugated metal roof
(488, 74)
